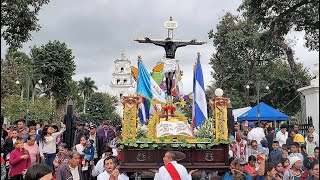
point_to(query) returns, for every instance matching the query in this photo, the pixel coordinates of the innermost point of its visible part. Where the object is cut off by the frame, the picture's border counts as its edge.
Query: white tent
(238, 112)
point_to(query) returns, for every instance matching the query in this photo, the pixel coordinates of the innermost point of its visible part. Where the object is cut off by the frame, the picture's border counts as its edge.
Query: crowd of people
(261, 152)
(94, 151)
(255, 152)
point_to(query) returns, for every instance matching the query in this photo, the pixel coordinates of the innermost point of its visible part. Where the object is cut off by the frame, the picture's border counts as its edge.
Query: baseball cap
(93, 126)
(251, 124)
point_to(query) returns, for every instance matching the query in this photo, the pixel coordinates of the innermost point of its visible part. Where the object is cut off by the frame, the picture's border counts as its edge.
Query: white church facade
(122, 80)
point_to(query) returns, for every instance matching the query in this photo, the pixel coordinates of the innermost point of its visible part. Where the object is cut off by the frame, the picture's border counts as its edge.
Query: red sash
(172, 171)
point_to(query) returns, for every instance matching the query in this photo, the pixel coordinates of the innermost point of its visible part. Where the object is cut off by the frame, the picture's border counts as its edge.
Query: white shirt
(256, 134)
(282, 138)
(79, 148)
(98, 168)
(104, 176)
(75, 173)
(50, 146)
(163, 174)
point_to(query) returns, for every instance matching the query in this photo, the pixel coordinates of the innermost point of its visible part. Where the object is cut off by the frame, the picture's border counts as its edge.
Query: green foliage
(87, 86)
(283, 94)
(18, 20)
(85, 117)
(54, 63)
(14, 108)
(146, 143)
(205, 130)
(101, 106)
(142, 132)
(16, 66)
(283, 16)
(241, 47)
(278, 18)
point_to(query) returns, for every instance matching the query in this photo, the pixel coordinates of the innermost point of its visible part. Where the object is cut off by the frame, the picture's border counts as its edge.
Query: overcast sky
(98, 31)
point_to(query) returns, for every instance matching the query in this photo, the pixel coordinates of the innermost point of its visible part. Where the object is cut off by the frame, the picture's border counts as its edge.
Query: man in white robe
(171, 169)
(111, 171)
(99, 167)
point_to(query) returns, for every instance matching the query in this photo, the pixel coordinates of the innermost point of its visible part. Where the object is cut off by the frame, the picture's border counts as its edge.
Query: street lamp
(258, 97)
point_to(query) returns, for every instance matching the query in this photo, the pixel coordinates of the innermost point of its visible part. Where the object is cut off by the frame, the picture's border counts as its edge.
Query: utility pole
(28, 99)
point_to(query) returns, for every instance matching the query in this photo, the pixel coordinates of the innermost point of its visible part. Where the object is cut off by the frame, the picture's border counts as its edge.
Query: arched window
(121, 95)
(124, 81)
(122, 69)
(118, 81)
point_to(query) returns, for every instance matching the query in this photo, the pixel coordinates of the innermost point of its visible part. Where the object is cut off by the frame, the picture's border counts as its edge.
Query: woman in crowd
(32, 148)
(19, 161)
(279, 169)
(59, 137)
(295, 171)
(253, 149)
(48, 145)
(62, 156)
(314, 172)
(310, 145)
(39, 172)
(32, 131)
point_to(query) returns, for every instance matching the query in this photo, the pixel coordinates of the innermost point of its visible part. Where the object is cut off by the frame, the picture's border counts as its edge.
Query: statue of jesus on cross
(170, 46)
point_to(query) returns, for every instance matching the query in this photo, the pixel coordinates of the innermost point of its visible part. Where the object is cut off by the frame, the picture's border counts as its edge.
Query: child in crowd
(88, 154)
(250, 167)
(295, 151)
(279, 169)
(19, 160)
(275, 155)
(286, 164)
(285, 151)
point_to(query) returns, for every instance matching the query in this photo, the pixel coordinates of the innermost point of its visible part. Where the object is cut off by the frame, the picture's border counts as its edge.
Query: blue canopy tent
(267, 113)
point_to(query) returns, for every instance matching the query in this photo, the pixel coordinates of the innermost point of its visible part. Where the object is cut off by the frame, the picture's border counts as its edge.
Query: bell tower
(122, 78)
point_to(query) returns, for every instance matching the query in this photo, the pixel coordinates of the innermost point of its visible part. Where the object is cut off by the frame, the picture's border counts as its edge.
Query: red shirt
(17, 164)
(250, 170)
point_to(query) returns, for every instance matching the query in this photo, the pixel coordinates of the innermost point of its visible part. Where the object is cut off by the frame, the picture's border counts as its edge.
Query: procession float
(146, 135)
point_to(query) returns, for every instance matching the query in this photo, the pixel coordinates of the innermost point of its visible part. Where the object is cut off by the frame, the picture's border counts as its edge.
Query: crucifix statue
(170, 46)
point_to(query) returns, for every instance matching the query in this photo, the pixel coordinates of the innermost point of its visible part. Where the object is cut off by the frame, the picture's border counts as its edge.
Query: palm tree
(86, 88)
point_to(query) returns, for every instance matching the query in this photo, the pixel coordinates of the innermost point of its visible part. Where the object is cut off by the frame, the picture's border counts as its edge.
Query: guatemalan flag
(147, 87)
(199, 108)
(143, 113)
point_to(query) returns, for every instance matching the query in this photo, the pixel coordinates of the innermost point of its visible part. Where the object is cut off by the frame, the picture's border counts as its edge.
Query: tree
(239, 50)
(75, 96)
(54, 63)
(18, 20)
(242, 57)
(15, 108)
(101, 106)
(86, 87)
(14, 67)
(278, 18)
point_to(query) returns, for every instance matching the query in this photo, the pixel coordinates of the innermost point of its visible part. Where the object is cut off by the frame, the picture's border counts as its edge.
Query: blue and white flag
(199, 114)
(147, 87)
(143, 112)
